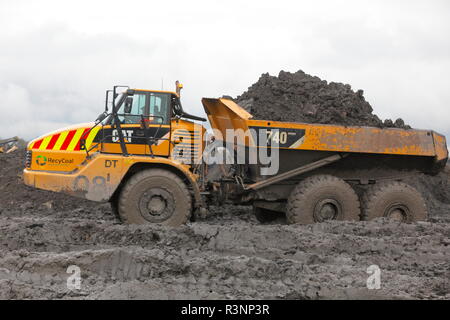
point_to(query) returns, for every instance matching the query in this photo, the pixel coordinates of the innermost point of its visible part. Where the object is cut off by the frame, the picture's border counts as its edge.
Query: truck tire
(394, 200)
(155, 196)
(320, 198)
(265, 215)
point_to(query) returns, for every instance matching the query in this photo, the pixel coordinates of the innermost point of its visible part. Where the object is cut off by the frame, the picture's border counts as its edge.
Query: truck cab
(139, 130)
(152, 123)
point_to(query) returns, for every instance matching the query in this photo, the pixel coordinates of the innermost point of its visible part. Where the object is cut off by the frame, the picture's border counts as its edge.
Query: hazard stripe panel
(61, 139)
(75, 140)
(37, 144)
(45, 143)
(91, 137)
(67, 140)
(77, 146)
(52, 142)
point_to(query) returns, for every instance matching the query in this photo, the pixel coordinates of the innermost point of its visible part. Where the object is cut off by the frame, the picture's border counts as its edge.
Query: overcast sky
(58, 57)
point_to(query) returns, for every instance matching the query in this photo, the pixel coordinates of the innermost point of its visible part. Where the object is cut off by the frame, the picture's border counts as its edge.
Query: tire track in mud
(240, 260)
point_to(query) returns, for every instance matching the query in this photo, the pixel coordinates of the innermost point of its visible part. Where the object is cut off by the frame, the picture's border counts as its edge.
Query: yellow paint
(91, 137)
(75, 139)
(45, 142)
(60, 140)
(69, 182)
(157, 91)
(225, 114)
(441, 147)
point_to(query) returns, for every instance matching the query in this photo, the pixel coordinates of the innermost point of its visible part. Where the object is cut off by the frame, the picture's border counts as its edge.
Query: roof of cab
(158, 91)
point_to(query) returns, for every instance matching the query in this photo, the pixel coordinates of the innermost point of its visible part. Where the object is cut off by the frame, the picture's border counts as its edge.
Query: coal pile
(299, 97)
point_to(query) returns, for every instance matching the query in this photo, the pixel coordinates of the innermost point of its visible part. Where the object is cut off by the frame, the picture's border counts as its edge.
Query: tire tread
(144, 174)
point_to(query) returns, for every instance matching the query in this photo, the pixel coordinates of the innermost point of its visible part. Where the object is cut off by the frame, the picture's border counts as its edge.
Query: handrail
(150, 140)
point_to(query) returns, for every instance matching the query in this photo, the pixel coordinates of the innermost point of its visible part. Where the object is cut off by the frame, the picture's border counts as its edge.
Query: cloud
(21, 121)
(61, 77)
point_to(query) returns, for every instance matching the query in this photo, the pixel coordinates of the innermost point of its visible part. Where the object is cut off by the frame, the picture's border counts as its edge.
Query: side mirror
(101, 117)
(128, 105)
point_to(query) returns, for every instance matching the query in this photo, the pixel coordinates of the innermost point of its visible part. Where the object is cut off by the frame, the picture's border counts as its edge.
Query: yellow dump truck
(146, 156)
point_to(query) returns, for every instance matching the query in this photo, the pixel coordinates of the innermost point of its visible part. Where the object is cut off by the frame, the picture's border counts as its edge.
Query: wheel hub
(327, 209)
(397, 212)
(156, 205)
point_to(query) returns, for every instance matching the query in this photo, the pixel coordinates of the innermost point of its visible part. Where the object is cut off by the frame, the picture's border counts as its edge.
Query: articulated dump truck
(155, 163)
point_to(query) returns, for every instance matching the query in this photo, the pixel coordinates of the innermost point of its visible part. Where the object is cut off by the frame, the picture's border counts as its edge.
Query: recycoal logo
(41, 160)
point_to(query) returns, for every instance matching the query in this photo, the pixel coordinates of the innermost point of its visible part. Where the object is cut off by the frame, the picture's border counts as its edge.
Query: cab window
(153, 106)
(158, 107)
(137, 109)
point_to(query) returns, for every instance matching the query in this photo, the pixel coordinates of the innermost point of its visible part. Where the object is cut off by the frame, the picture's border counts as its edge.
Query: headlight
(28, 157)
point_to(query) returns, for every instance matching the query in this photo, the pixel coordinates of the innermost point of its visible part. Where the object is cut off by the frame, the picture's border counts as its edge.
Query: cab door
(145, 126)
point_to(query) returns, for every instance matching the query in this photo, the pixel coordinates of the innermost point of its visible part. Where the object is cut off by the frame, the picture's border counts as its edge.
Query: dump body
(360, 155)
(224, 114)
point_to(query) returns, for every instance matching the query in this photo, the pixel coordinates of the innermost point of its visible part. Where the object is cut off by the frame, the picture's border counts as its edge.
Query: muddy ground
(228, 255)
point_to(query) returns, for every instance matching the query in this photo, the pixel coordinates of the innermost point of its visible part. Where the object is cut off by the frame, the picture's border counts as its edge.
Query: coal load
(299, 97)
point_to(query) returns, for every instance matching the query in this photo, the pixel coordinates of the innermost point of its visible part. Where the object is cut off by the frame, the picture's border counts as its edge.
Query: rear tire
(320, 198)
(394, 200)
(155, 196)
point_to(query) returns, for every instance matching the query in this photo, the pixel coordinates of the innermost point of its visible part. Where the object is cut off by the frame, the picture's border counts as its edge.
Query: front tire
(320, 198)
(155, 196)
